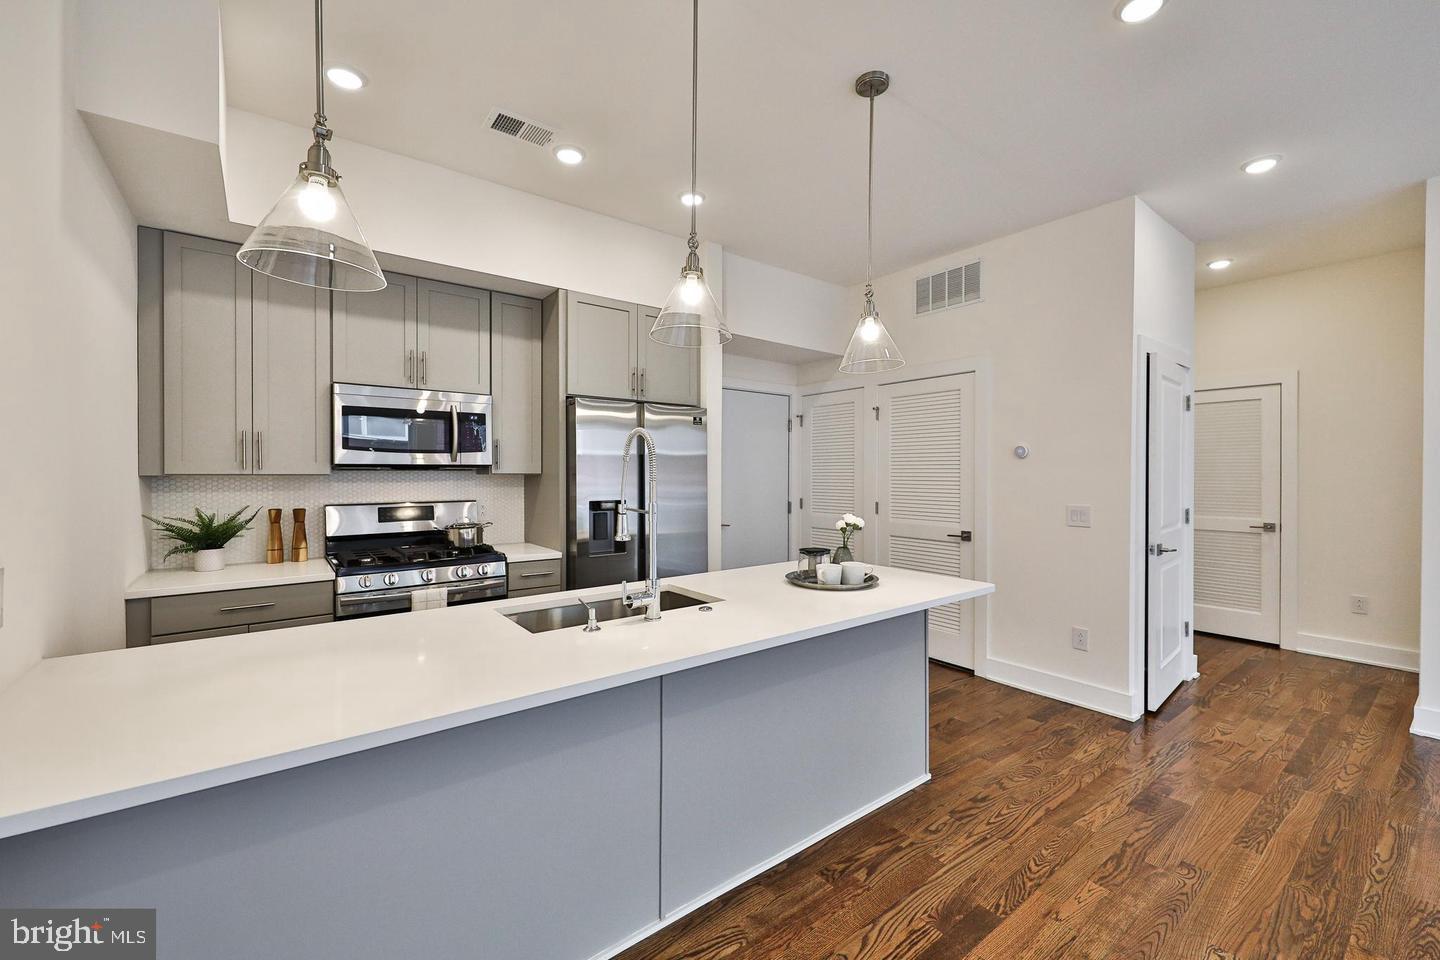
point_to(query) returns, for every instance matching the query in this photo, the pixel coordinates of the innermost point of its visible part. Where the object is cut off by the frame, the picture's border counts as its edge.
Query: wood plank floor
(1275, 808)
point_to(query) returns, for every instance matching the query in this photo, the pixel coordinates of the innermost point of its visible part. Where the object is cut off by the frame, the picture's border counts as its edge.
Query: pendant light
(691, 317)
(310, 236)
(871, 350)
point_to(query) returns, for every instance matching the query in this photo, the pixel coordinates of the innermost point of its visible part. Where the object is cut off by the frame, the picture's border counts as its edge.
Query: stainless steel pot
(466, 534)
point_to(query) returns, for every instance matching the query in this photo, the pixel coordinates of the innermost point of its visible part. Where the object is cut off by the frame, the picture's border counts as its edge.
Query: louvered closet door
(927, 495)
(1237, 493)
(833, 465)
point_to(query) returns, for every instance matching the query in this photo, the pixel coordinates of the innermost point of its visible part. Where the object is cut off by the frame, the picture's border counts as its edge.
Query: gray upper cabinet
(376, 334)
(291, 382)
(667, 374)
(206, 357)
(610, 354)
(245, 365)
(454, 337)
(516, 344)
(602, 354)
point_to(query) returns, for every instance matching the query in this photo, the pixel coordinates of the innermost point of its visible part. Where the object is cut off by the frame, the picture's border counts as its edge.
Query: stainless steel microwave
(400, 427)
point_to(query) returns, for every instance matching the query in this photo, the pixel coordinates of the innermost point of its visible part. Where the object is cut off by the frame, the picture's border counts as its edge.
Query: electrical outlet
(1080, 638)
(1360, 604)
(1077, 515)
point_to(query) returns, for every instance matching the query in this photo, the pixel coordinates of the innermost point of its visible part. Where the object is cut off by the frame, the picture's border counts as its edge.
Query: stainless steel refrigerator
(597, 436)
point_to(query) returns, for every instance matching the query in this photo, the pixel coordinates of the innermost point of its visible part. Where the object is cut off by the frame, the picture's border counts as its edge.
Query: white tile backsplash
(502, 501)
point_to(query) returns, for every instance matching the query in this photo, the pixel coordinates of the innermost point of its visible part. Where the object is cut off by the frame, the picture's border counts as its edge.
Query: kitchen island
(447, 783)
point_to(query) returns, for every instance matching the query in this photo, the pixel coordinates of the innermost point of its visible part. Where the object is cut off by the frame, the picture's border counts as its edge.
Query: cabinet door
(207, 357)
(454, 341)
(291, 378)
(516, 375)
(667, 374)
(602, 358)
(374, 339)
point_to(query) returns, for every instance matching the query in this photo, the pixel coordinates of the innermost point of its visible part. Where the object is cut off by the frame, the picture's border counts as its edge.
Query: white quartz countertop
(98, 732)
(240, 576)
(526, 552)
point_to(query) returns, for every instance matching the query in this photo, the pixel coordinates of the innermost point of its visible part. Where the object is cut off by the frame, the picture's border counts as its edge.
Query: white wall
(1056, 331)
(770, 303)
(1427, 706)
(67, 361)
(1354, 333)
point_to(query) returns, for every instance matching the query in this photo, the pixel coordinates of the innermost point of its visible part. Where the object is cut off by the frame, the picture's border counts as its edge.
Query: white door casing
(832, 465)
(926, 491)
(755, 488)
(1237, 512)
(1168, 540)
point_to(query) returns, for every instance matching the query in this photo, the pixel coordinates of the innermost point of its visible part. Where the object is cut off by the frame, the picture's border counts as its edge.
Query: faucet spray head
(622, 523)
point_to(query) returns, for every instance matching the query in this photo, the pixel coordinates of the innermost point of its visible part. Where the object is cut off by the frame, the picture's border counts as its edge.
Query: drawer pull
(247, 606)
(542, 573)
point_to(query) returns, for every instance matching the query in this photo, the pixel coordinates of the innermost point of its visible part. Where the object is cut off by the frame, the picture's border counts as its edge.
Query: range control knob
(391, 579)
(365, 582)
(428, 576)
(462, 572)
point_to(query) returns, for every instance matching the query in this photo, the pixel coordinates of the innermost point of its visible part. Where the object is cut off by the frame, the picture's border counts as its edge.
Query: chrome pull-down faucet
(650, 597)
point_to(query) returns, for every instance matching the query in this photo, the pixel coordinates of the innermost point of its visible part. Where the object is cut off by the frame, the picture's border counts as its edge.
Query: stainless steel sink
(571, 613)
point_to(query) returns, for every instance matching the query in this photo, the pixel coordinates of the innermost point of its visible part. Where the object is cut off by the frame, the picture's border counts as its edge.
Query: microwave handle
(454, 434)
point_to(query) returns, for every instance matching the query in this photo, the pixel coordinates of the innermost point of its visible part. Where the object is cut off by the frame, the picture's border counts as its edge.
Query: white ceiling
(1002, 115)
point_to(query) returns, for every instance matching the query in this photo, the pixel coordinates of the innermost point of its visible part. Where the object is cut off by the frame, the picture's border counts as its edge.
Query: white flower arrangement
(848, 525)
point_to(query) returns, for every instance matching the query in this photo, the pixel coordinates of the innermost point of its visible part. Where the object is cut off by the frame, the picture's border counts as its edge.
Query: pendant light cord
(320, 63)
(870, 208)
(694, 112)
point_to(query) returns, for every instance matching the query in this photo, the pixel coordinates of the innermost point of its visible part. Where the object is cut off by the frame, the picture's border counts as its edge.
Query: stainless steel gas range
(382, 553)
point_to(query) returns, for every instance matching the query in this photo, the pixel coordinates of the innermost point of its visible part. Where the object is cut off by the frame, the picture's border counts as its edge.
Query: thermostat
(1021, 451)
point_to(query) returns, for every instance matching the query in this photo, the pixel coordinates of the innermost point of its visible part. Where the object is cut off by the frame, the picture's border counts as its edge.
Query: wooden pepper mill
(299, 546)
(275, 545)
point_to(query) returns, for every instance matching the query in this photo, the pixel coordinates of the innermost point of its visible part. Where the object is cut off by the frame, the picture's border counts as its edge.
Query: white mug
(828, 573)
(853, 571)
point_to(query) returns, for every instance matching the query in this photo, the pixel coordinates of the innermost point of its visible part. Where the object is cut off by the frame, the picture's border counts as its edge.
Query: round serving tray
(809, 582)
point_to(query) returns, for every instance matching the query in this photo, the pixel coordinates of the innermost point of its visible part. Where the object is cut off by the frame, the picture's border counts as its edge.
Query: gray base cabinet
(225, 612)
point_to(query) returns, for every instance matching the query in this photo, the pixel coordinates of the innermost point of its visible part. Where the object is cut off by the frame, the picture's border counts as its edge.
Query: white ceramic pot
(208, 561)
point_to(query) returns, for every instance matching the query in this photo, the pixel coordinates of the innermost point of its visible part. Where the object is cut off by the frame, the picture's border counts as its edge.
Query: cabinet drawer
(535, 592)
(283, 624)
(228, 608)
(534, 574)
(200, 634)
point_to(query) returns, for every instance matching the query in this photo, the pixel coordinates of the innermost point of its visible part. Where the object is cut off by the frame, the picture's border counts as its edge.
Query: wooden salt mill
(299, 546)
(275, 546)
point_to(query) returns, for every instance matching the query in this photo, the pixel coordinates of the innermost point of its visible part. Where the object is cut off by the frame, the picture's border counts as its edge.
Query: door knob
(1160, 549)
(1268, 526)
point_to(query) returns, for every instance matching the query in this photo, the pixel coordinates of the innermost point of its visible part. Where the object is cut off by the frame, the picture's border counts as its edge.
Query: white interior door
(832, 466)
(1237, 512)
(755, 482)
(926, 452)
(1168, 551)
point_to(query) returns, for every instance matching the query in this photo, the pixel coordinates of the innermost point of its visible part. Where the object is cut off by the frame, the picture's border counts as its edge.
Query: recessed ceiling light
(569, 155)
(1138, 11)
(1261, 164)
(346, 78)
(1221, 264)
(692, 199)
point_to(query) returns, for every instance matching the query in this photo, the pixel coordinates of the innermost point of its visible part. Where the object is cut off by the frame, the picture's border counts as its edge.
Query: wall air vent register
(954, 287)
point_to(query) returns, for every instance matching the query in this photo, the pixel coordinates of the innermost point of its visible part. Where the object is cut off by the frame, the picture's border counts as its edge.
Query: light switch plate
(1077, 515)
(1080, 638)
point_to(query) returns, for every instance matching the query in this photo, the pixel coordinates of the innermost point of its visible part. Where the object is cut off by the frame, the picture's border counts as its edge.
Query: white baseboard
(1081, 693)
(1359, 651)
(1426, 723)
(758, 869)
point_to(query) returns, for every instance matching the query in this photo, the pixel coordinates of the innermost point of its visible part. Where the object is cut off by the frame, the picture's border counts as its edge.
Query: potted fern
(205, 536)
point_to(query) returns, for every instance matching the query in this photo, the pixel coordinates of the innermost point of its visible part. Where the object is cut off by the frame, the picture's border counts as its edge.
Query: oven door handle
(454, 433)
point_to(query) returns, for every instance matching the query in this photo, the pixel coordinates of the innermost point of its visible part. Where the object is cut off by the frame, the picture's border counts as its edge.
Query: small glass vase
(842, 554)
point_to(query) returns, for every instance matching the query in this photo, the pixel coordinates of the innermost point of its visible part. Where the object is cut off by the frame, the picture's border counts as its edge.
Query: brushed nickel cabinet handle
(247, 606)
(424, 374)
(545, 573)
(244, 447)
(259, 450)
(634, 381)
(410, 366)
(642, 383)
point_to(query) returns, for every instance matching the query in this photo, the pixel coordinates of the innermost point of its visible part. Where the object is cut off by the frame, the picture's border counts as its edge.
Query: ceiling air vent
(948, 288)
(506, 123)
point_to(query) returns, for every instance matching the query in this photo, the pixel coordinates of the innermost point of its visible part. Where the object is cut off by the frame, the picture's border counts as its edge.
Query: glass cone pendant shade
(871, 350)
(691, 317)
(311, 237)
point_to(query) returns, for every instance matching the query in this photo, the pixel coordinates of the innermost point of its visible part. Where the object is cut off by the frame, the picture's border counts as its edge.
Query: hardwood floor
(1275, 808)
